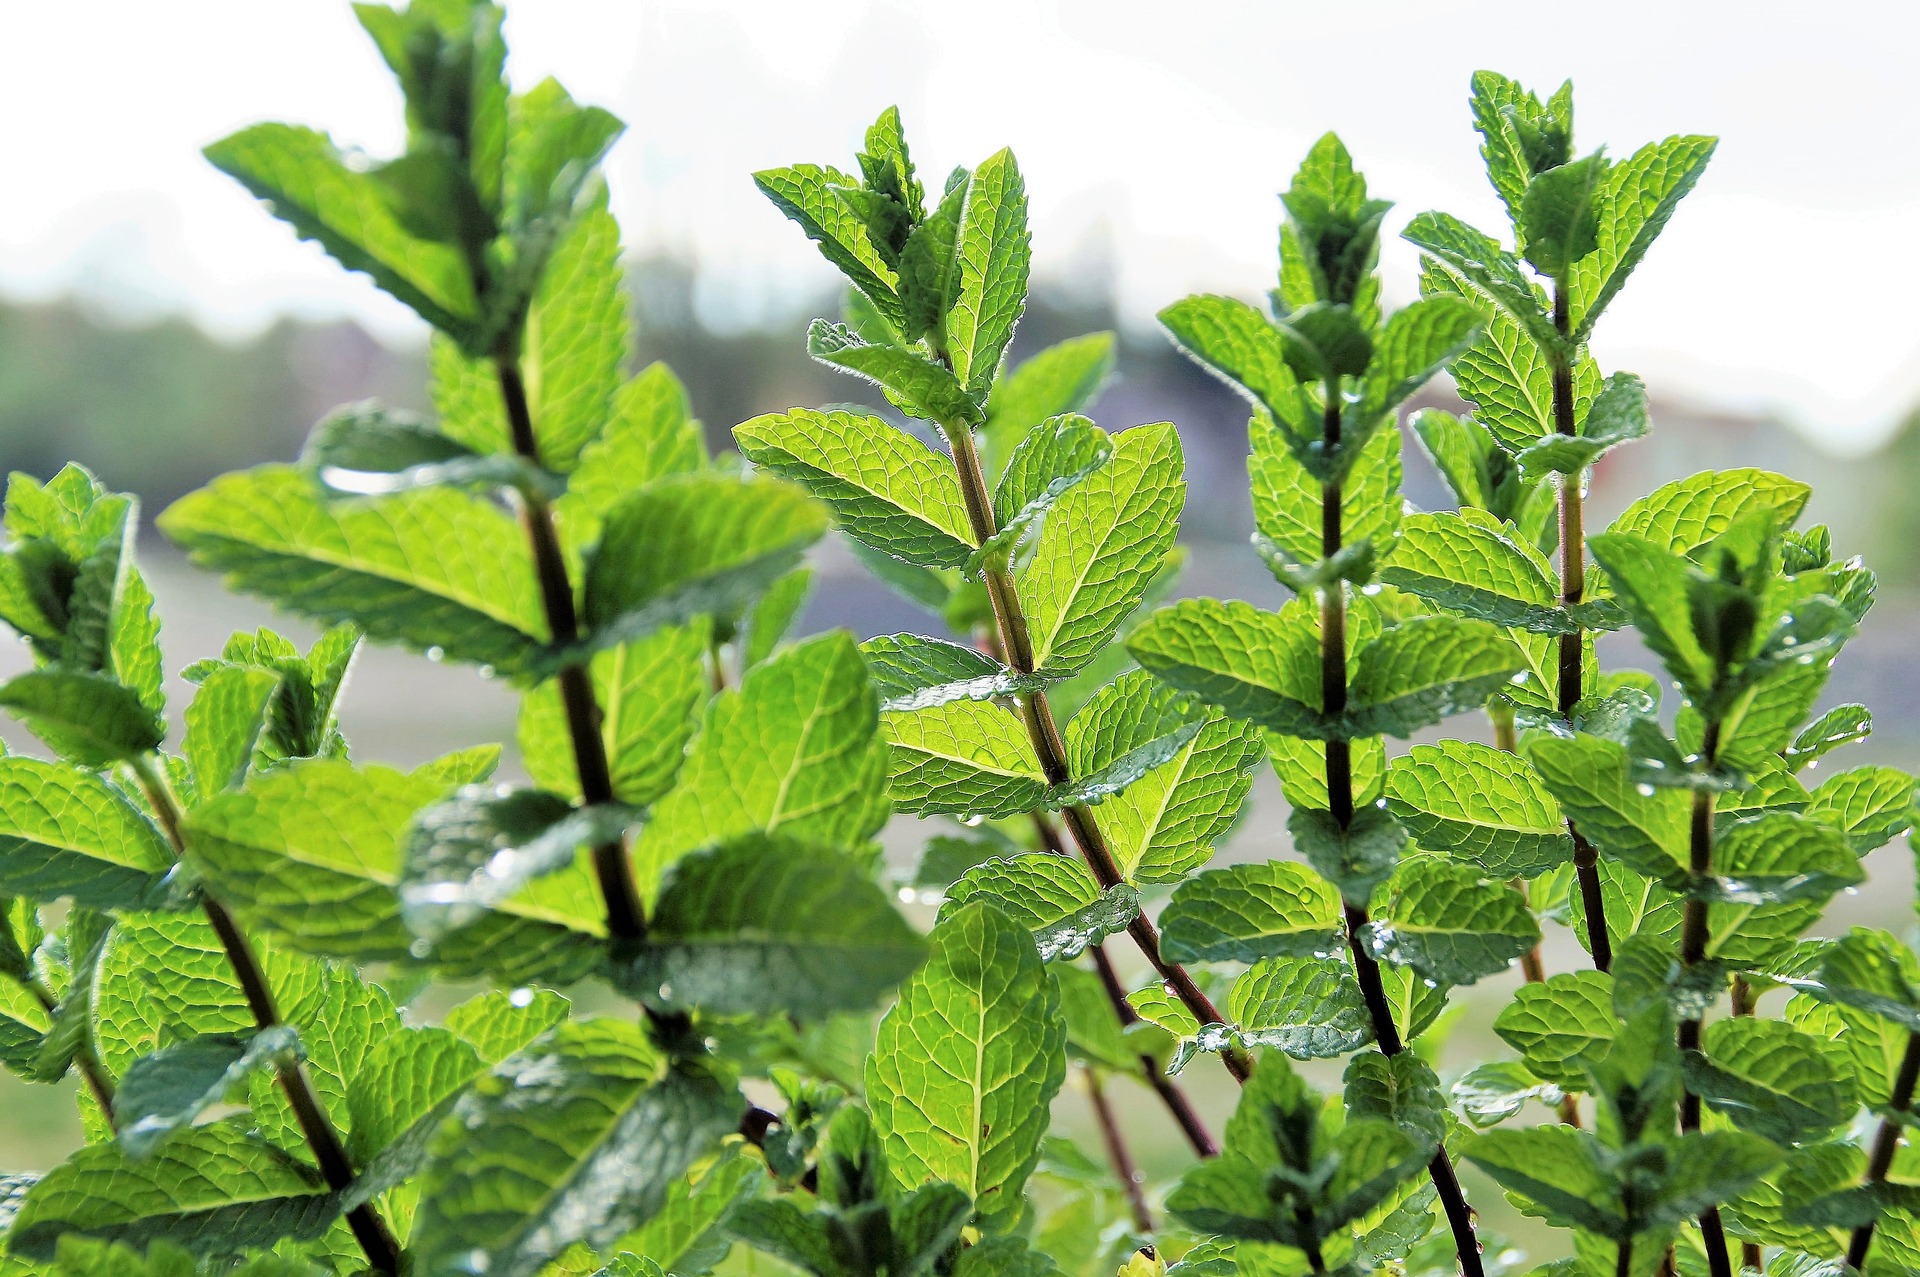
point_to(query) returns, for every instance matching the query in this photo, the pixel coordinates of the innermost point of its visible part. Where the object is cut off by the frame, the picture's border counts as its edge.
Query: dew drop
(486, 671)
(1645, 790)
(666, 993)
(972, 820)
(436, 653)
(521, 997)
(906, 895)
(420, 949)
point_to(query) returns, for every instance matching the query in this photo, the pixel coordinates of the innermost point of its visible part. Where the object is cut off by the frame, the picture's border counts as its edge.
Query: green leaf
(1872, 971)
(171, 1088)
(224, 723)
(1474, 564)
(68, 833)
(1508, 378)
(650, 433)
(1248, 912)
(1449, 924)
(1593, 780)
(968, 1061)
(1561, 1172)
(966, 758)
(915, 384)
(1519, 136)
(766, 622)
(1416, 342)
(812, 196)
(1480, 803)
(1841, 725)
(764, 925)
(1053, 897)
(1309, 1008)
(1871, 806)
(308, 184)
(1426, 669)
(1489, 1094)
(1561, 1026)
(1638, 197)
(1684, 515)
(885, 488)
(913, 672)
(1618, 415)
(1772, 1079)
(212, 1189)
(1484, 272)
(366, 450)
(691, 544)
(1560, 217)
(1236, 342)
(84, 717)
(1779, 857)
(1103, 543)
(577, 1139)
(1356, 858)
(1400, 1089)
(994, 254)
(649, 693)
(430, 569)
(1255, 665)
(795, 749)
(1063, 378)
(690, 1232)
(1052, 458)
(1301, 766)
(498, 1023)
(1287, 496)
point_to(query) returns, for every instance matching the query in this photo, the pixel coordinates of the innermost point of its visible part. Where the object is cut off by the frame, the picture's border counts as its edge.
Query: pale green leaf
(1053, 897)
(1424, 670)
(65, 832)
(224, 723)
(1309, 1008)
(1562, 1025)
(650, 433)
(87, 718)
(963, 757)
(1066, 377)
(1474, 564)
(1480, 803)
(1450, 924)
(1247, 912)
(1639, 196)
(994, 253)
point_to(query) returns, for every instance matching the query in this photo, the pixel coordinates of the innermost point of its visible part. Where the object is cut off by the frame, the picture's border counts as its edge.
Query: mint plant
(241, 936)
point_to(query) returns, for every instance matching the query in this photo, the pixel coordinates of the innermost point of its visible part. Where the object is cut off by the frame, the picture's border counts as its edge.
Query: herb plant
(320, 1007)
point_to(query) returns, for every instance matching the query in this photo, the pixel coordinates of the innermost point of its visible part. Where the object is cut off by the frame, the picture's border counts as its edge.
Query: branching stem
(369, 1229)
(626, 916)
(1573, 588)
(1017, 643)
(1886, 1142)
(1333, 703)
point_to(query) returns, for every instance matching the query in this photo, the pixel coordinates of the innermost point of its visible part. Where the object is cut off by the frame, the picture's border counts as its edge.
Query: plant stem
(95, 1073)
(1573, 587)
(626, 916)
(1744, 999)
(369, 1229)
(1333, 704)
(1017, 643)
(1886, 1142)
(1165, 1087)
(1623, 1260)
(1118, 1153)
(1693, 949)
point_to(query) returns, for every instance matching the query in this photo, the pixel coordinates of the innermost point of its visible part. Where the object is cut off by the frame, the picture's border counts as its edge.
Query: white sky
(1786, 283)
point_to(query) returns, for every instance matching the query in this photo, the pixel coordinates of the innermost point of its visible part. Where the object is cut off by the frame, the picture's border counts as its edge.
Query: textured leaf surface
(67, 833)
(434, 568)
(994, 254)
(224, 723)
(1639, 196)
(1102, 545)
(577, 1139)
(1248, 912)
(763, 925)
(171, 1088)
(1471, 563)
(1480, 803)
(1450, 924)
(1065, 377)
(968, 1061)
(1426, 669)
(1260, 666)
(885, 487)
(1287, 497)
(1053, 897)
(1562, 1025)
(913, 672)
(1772, 1079)
(968, 758)
(1684, 515)
(1309, 1008)
(1592, 780)
(650, 433)
(87, 718)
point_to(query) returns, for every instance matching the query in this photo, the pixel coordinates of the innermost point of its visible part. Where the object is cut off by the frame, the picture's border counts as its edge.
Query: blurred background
(158, 327)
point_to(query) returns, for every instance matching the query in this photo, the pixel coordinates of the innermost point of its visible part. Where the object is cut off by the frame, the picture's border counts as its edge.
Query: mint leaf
(692, 544)
(1064, 378)
(989, 288)
(1519, 136)
(795, 749)
(1426, 669)
(1255, 665)
(1103, 543)
(650, 433)
(965, 758)
(1448, 923)
(1236, 342)
(813, 197)
(1559, 219)
(1508, 376)
(1779, 857)
(915, 384)
(913, 672)
(212, 1189)
(764, 925)
(1052, 458)
(169, 1089)
(65, 832)
(1593, 780)
(1416, 342)
(1870, 806)
(1639, 196)
(1684, 515)
(307, 183)
(1618, 415)
(1287, 496)
(649, 692)
(1841, 725)
(91, 720)
(1474, 564)
(433, 568)
(577, 1139)
(886, 488)
(1053, 897)
(1309, 1008)
(1248, 912)
(1356, 858)
(968, 1061)
(499, 1023)
(1479, 803)
(1489, 1094)
(224, 723)
(1561, 1026)
(1772, 1079)
(1563, 1173)
(1484, 272)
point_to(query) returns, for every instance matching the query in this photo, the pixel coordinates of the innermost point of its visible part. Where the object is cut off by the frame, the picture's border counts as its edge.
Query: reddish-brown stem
(626, 916)
(1169, 1092)
(1118, 1154)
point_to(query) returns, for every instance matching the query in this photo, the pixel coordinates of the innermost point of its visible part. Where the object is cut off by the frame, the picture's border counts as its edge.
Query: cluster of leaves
(243, 943)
